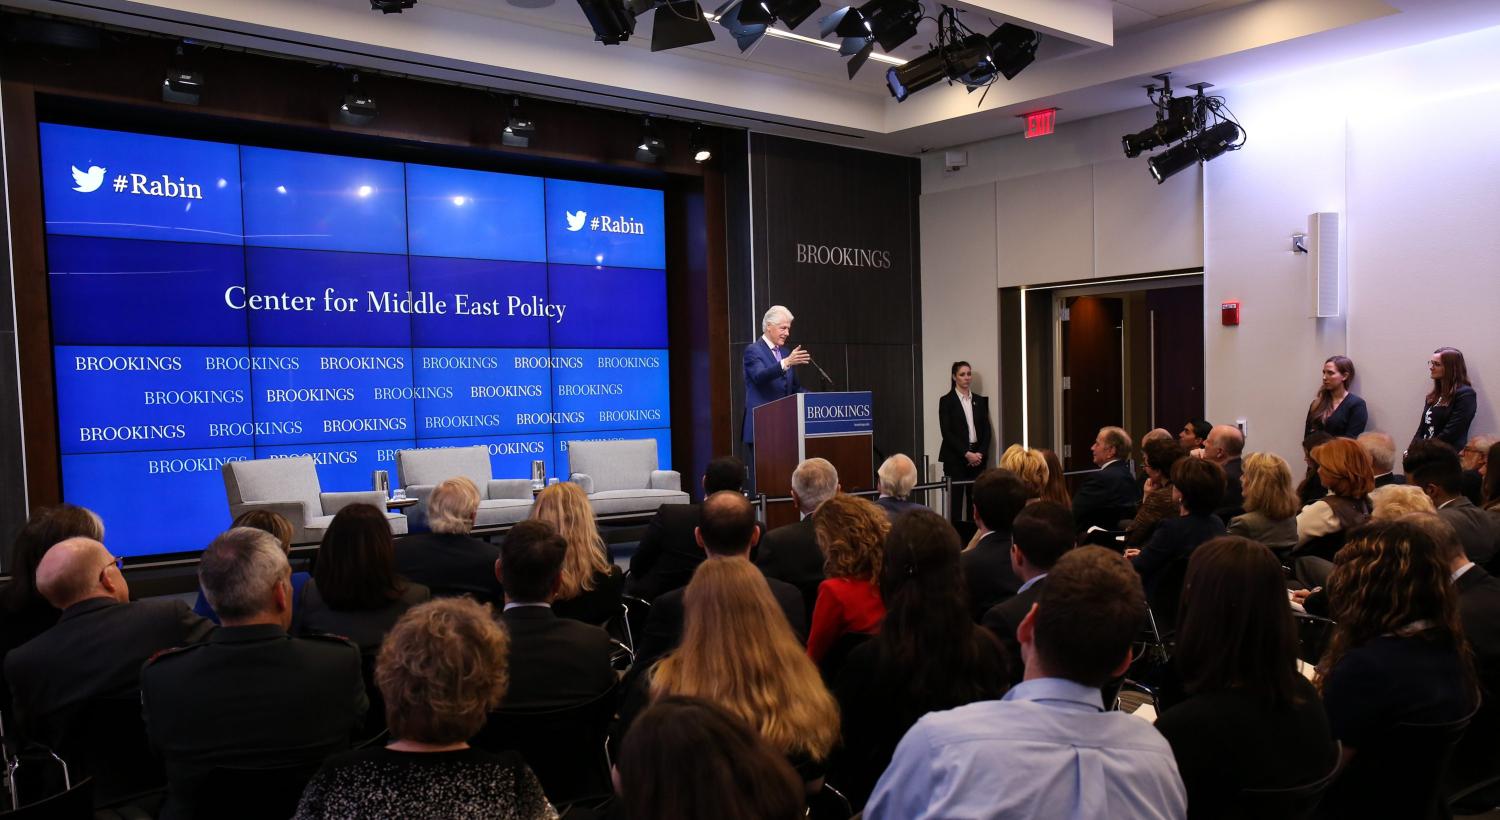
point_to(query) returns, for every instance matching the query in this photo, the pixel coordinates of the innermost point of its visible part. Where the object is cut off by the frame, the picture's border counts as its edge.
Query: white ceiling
(1096, 55)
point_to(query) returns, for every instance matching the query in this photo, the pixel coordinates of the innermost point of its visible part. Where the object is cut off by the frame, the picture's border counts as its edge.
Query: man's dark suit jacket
(1005, 617)
(955, 434)
(1479, 610)
(1106, 497)
(554, 661)
(663, 629)
(668, 553)
(94, 651)
(1233, 502)
(790, 553)
(249, 697)
(894, 507)
(1389, 478)
(1475, 528)
(765, 381)
(988, 574)
(450, 564)
(1174, 540)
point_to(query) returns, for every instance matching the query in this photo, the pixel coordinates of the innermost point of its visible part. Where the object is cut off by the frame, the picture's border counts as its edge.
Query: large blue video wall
(213, 302)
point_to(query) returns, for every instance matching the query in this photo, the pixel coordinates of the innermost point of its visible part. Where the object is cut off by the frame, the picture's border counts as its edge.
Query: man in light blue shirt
(1048, 749)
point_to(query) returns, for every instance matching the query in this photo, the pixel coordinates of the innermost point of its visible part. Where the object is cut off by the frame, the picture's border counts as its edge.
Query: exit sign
(1040, 123)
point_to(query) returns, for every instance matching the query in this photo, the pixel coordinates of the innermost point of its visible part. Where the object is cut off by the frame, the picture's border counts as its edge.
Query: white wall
(1401, 143)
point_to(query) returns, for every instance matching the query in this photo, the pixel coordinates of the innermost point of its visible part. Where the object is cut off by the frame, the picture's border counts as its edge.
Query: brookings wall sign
(843, 257)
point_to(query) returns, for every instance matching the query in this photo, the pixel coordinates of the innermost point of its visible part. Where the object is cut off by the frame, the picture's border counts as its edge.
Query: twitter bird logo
(575, 220)
(89, 181)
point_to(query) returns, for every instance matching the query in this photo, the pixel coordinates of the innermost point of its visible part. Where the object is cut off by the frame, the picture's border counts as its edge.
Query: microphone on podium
(826, 378)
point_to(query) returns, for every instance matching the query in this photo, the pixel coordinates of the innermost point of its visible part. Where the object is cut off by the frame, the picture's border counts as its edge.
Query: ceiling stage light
(358, 106)
(651, 147)
(612, 22)
(518, 127)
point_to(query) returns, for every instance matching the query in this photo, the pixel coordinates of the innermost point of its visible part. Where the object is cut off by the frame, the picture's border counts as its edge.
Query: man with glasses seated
(98, 645)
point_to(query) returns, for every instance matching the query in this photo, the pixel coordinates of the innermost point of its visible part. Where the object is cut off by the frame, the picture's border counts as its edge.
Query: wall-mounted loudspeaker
(1325, 259)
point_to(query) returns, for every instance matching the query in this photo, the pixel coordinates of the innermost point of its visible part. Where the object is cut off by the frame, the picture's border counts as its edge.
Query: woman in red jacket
(851, 532)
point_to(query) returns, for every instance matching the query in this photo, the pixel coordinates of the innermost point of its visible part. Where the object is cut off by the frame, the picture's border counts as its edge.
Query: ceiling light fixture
(701, 151)
(518, 127)
(965, 57)
(391, 6)
(358, 106)
(612, 21)
(183, 83)
(651, 146)
(1202, 126)
(887, 23)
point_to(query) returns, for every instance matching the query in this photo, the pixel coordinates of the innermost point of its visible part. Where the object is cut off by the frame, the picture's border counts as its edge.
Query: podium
(836, 426)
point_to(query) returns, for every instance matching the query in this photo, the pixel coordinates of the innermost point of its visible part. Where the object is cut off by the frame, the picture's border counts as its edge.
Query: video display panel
(213, 302)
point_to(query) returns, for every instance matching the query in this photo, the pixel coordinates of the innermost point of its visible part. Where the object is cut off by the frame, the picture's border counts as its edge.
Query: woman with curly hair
(762, 675)
(1029, 465)
(1345, 469)
(850, 533)
(1397, 656)
(591, 585)
(441, 670)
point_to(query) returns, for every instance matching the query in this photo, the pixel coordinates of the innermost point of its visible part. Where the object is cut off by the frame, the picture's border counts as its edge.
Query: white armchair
(501, 501)
(622, 476)
(289, 486)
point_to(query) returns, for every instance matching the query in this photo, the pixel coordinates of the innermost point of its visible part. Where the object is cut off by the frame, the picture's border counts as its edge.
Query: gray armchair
(501, 501)
(621, 476)
(289, 486)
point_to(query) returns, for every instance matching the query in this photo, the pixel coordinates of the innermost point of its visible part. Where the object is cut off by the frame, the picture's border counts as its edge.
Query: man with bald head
(98, 644)
(1223, 446)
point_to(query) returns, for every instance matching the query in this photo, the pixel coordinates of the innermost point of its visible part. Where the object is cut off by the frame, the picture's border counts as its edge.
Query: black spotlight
(1013, 48)
(391, 6)
(701, 150)
(518, 127)
(612, 22)
(745, 33)
(1172, 161)
(183, 84)
(1213, 142)
(651, 146)
(358, 107)
(679, 23)
(1180, 119)
(888, 23)
(967, 61)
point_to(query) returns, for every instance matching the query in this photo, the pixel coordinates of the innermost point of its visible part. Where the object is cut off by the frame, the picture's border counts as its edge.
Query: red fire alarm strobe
(1230, 312)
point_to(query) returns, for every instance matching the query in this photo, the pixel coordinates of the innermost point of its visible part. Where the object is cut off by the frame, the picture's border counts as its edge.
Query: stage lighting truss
(1201, 126)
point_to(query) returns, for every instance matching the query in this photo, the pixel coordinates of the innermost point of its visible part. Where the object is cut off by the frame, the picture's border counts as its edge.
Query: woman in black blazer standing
(1451, 402)
(964, 419)
(1335, 410)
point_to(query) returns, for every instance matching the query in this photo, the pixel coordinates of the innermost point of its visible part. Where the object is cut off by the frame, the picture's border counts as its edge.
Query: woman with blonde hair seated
(591, 585)
(1030, 466)
(739, 652)
(1271, 503)
(1396, 500)
(851, 533)
(441, 670)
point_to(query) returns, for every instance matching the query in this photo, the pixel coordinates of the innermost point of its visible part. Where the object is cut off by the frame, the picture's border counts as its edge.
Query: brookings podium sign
(836, 426)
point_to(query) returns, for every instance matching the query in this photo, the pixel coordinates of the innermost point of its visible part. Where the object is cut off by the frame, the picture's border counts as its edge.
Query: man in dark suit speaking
(768, 370)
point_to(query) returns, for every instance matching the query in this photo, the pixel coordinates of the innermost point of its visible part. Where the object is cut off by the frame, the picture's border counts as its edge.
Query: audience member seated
(1311, 488)
(95, 650)
(448, 560)
(851, 533)
(276, 524)
(1397, 656)
(1048, 749)
(1270, 515)
(591, 585)
(441, 670)
(1474, 456)
(1041, 534)
(1433, 466)
(1057, 483)
(1393, 501)
(1381, 449)
(727, 530)
(1109, 495)
(1250, 719)
(790, 553)
(250, 696)
(26, 614)
(1030, 466)
(1223, 447)
(1157, 503)
(553, 661)
(1198, 486)
(928, 655)
(355, 591)
(667, 554)
(689, 757)
(1345, 470)
(998, 497)
(1194, 434)
(1491, 481)
(895, 478)
(738, 652)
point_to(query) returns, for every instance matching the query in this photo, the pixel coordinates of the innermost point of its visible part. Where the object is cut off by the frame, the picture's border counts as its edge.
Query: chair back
(1293, 803)
(273, 479)
(434, 465)
(106, 741)
(1313, 634)
(76, 803)
(251, 794)
(838, 654)
(1398, 775)
(1166, 595)
(614, 465)
(564, 747)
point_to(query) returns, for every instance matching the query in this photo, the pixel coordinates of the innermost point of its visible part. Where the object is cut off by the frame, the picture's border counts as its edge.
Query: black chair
(1313, 633)
(564, 747)
(1398, 775)
(251, 794)
(1292, 803)
(1472, 782)
(75, 803)
(1166, 594)
(374, 725)
(834, 659)
(106, 740)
